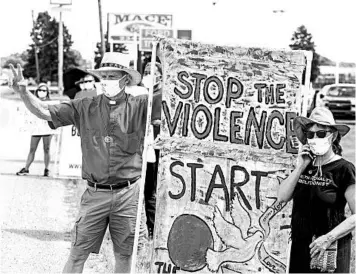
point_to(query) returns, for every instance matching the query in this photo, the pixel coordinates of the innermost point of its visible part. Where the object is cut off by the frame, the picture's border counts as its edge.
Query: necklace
(319, 171)
(321, 163)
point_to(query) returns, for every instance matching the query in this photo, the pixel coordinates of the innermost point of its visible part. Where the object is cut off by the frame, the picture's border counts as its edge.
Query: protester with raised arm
(112, 130)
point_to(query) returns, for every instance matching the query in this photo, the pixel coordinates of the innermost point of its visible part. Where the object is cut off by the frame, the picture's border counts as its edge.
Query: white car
(339, 98)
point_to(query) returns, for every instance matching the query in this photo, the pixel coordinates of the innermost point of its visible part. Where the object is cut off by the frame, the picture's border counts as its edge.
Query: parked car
(339, 98)
(4, 81)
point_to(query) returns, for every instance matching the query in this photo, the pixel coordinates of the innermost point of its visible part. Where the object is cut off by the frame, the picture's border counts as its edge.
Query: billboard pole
(60, 53)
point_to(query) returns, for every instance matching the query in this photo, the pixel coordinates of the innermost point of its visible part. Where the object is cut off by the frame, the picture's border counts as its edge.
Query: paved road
(37, 215)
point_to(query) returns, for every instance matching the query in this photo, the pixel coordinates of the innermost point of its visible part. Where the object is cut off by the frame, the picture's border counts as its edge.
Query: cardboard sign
(29, 123)
(124, 27)
(226, 125)
(70, 155)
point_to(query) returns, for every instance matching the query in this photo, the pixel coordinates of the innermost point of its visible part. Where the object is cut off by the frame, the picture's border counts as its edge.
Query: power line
(50, 42)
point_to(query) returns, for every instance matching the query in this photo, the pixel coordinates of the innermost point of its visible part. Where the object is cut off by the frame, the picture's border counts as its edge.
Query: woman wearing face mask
(320, 186)
(42, 92)
(157, 77)
(152, 167)
(87, 87)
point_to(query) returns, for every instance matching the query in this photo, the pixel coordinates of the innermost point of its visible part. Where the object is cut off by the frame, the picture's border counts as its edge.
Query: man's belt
(115, 186)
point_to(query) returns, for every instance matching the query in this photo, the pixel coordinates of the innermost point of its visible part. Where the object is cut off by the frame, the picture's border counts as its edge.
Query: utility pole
(60, 53)
(101, 30)
(36, 53)
(337, 72)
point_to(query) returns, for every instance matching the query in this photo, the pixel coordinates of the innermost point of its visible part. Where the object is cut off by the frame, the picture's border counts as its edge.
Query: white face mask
(112, 88)
(319, 146)
(42, 94)
(147, 81)
(86, 86)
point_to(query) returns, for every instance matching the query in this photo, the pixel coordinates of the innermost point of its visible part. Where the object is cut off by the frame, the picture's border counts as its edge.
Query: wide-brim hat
(158, 66)
(43, 85)
(115, 61)
(71, 78)
(321, 116)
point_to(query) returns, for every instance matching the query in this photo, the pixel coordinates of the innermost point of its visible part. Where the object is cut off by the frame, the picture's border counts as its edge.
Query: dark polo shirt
(123, 120)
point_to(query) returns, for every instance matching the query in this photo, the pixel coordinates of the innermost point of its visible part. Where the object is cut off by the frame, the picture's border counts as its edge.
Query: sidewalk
(37, 215)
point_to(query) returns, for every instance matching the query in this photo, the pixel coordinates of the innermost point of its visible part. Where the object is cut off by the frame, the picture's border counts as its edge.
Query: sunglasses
(87, 81)
(319, 134)
(44, 90)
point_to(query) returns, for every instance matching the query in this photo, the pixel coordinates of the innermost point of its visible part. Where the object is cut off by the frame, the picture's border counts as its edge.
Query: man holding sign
(112, 129)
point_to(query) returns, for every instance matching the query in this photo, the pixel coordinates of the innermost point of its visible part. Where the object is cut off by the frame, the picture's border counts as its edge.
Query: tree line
(44, 36)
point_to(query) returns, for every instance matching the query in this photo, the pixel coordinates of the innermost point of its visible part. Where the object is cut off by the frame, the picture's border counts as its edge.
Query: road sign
(184, 34)
(147, 34)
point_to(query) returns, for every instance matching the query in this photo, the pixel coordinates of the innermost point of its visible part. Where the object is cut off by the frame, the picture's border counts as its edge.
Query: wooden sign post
(226, 125)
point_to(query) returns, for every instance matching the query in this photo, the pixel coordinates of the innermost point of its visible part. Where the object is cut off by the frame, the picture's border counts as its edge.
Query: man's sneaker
(46, 172)
(23, 171)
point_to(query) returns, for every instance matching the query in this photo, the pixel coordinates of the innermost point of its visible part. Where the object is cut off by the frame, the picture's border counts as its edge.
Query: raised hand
(305, 156)
(18, 76)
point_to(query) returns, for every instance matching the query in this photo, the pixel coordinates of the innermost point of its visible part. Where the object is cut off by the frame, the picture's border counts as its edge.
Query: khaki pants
(100, 208)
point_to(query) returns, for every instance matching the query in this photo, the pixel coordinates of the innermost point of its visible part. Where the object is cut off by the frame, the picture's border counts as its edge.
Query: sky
(227, 22)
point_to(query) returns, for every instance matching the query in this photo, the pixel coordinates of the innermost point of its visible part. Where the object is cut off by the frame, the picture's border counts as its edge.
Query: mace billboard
(125, 27)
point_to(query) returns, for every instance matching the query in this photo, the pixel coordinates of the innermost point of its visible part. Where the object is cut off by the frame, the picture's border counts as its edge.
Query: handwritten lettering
(197, 115)
(166, 267)
(214, 186)
(75, 131)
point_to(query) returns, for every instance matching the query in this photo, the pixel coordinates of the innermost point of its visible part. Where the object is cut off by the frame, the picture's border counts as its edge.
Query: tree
(14, 59)
(117, 47)
(303, 40)
(45, 38)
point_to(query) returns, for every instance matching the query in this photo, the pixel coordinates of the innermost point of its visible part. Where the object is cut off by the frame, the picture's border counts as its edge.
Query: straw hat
(115, 61)
(321, 116)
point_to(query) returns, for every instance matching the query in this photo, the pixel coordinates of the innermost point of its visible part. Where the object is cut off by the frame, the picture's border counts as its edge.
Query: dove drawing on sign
(241, 243)
(241, 217)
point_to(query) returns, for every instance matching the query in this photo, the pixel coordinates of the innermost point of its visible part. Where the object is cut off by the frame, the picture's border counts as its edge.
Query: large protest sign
(70, 154)
(19, 124)
(29, 123)
(226, 125)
